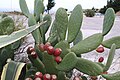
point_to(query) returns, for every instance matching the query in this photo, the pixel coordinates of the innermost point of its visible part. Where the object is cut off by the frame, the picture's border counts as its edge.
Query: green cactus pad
(6, 26)
(37, 63)
(78, 38)
(46, 26)
(50, 64)
(53, 28)
(38, 9)
(74, 23)
(24, 7)
(88, 67)
(101, 64)
(6, 53)
(108, 20)
(36, 34)
(114, 40)
(16, 45)
(110, 57)
(88, 44)
(61, 76)
(31, 20)
(61, 19)
(40, 54)
(53, 39)
(64, 45)
(68, 62)
(114, 76)
(53, 35)
(30, 72)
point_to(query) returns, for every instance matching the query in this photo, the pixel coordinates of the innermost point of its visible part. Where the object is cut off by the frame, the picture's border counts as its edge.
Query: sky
(69, 4)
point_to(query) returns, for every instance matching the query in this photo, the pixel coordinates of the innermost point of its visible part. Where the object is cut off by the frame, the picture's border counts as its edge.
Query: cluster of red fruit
(100, 50)
(51, 51)
(31, 51)
(40, 76)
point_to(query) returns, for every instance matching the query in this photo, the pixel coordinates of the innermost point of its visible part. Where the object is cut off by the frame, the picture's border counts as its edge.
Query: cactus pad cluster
(53, 58)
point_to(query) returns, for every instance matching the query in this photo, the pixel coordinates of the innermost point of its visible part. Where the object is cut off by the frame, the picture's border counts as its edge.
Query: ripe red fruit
(50, 50)
(41, 47)
(28, 79)
(34, 55)
(101, 59)
(53, 77)
(47, 77)
(46, 45)
(38, 75)
(37, 78)
(57, 52)
(30, 50)
(100, 49)
(58, 59)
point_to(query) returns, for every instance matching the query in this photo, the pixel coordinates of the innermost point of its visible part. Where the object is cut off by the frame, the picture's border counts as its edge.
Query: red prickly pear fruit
(53, 77)
(30, 50)
(38, 75)
(46, 45)
(28, 79)
(57, 52)
(47, 77)
(100, 49)
(50, 50)
(37, 78)
(101, 59)
(34, 55)
(58, 59)
(41, 47)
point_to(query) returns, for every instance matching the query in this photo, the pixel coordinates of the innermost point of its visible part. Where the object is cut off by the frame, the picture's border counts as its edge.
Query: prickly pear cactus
(55, 51)
(52, 57)
(6, 26)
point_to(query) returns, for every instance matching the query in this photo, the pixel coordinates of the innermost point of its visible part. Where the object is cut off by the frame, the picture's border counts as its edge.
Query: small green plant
(53, 58)
(89, 13)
